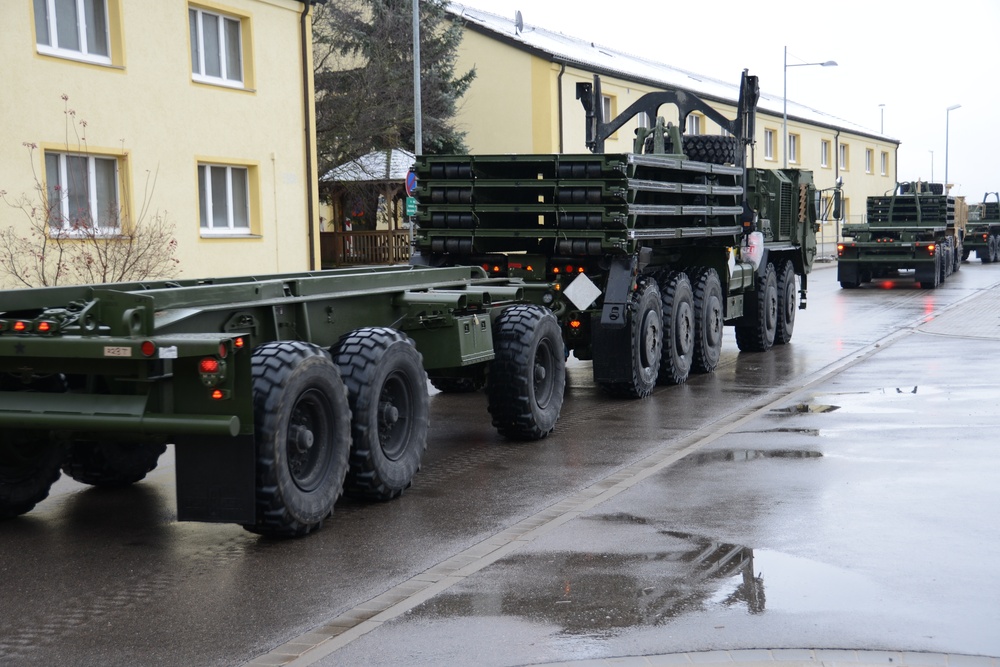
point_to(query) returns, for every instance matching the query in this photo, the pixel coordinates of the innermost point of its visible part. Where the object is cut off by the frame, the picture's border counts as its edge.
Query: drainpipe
(562, 70)
(307, 103)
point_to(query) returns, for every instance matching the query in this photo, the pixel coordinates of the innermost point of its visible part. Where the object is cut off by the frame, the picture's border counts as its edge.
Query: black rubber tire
(965, 254)
(993, 247)
(711, 148)
(849, 284)
(527, 377)
(788, 304)
(759, 336)
(387, 391)
(709, 320)
(302, 433)
(449, 385)
(932, 278)
(110, 463)
(645, 342)
(29, 460)
(677, 352)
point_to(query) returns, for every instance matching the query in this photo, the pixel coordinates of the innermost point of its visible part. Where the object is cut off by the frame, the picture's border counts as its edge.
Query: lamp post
(947, 119)
(881, 128)
(784, 100)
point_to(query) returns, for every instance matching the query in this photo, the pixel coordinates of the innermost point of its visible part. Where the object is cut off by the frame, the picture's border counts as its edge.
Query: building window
(793, 148)
(216, 48)
(224, 199)
(824, 153)
(607, 107)
(869, 160)
(884, 163)
(75, 29)
(83, 193)
(768, 144)
(844, 155)
(694, 124)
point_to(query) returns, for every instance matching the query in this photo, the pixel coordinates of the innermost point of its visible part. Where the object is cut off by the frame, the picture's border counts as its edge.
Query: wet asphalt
(834, 500)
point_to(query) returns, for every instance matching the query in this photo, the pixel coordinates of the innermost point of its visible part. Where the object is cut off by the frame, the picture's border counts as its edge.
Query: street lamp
(881, 109)
(784, 100)
(947, 118)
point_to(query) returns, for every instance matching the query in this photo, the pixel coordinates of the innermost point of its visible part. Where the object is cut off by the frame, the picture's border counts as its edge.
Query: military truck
(279, 392)
(982, 232)
(642, 256)
(912, 227)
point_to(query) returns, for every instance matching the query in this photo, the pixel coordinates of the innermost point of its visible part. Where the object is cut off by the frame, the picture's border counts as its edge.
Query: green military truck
(279, 392)
(982, 232)
(644, 256)
(913, 227)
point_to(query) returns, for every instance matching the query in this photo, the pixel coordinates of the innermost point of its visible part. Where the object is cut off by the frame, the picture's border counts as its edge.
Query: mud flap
(216, 479)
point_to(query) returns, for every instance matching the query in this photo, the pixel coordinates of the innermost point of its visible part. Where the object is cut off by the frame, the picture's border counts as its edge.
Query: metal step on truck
(982, 232)
(278, 392)
(914, 227)
(645, 256)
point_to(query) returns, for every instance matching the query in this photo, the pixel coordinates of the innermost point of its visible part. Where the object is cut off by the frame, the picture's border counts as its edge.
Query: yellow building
(523, 100)
(196, 113)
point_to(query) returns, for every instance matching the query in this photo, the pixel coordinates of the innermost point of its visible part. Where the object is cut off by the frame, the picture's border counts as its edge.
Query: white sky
(918, 58)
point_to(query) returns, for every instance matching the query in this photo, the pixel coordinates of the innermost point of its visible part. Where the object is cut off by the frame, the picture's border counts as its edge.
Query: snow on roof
(601, 59)
(384, 165)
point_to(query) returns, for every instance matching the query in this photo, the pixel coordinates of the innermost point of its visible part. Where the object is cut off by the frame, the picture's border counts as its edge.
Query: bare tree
(57, 246)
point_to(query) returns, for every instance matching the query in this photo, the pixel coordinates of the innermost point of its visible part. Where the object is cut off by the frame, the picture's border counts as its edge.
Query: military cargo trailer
(913, 227)
(642, 256)
(279, 392)
(982, 234)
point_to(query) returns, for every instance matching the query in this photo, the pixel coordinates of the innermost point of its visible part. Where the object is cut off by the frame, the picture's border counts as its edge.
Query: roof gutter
(307, 102)
(562, 70)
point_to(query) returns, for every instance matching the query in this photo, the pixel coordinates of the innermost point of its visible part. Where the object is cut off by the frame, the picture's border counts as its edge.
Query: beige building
(523, 100)
(197, 113)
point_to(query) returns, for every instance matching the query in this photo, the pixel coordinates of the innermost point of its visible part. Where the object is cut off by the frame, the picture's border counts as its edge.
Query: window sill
(221, 84)
(83, 60)
(234, 235)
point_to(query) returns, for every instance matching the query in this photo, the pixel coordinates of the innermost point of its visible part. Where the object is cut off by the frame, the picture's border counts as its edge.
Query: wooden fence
(360, 248)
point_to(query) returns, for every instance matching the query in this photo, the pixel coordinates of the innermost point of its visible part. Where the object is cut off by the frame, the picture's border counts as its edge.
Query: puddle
(739, 455)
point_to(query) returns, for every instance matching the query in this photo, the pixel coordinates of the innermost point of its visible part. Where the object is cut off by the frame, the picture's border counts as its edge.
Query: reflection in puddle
(739, 455)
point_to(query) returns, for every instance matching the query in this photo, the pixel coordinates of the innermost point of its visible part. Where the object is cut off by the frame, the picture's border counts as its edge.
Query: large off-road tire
(302, 429)
(527, 377)
(29, 460)
(992, 249)
(452, 385)
(677, 353)
(387, 391)
(111, 463)
(759, 336)
(645, 342)
(712, 148)
(709, 320)
(788, 304)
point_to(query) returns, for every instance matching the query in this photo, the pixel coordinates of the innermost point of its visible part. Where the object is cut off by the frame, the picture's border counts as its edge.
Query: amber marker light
(217, 394)
(44, 327)
(20, 326)
(238, 343)
(575, 324)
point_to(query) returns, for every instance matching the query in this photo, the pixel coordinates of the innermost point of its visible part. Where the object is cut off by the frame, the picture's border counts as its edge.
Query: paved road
(828, 495)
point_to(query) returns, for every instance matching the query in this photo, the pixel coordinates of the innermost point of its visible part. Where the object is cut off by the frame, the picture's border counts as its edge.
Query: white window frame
(693, 124)
(884, 163)
(206, 211)
(47, 41)
(793, 148)
(768, 144)
(60, 187)
(869, 160)
(824, 153)
(607, 107)
(844, 157)
(197, 16)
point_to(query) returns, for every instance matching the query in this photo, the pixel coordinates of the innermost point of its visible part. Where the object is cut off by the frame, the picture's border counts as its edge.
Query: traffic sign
(411, 206)
(411, 183)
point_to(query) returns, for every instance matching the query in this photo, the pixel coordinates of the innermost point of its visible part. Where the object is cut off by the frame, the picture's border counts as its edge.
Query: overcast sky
(917, 58)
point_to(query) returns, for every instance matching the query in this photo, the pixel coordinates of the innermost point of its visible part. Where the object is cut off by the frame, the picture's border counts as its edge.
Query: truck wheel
(788, 303)
(708, 320)
(302, 432)
(711, 148)
(449, 385)
(387, 392)
(759, 336)
(678, 328)
(929, 278)
(993, 247)
(527, 377)
(645, 342)
(111, 464)
(29, 460)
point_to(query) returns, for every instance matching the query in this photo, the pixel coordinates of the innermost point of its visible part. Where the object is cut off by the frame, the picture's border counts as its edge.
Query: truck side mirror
(836, 204)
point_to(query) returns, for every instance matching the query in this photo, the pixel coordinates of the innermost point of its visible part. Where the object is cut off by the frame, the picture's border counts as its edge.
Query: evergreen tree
(364, 78)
